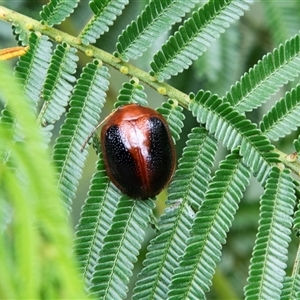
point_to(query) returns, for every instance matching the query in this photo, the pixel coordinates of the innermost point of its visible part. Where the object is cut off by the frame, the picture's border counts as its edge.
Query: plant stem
(92, 51)
(126, 68)
(292, 164)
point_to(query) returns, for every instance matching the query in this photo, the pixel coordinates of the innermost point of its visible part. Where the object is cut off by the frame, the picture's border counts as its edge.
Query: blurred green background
(243, 44)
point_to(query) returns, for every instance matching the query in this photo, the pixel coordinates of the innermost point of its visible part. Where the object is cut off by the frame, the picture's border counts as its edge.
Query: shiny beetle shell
(138, 151)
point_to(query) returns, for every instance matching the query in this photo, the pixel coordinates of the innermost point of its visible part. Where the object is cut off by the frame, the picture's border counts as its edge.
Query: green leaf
(32, 68)
(281, 19)
(58, 83)
(297, 213)
(297, 144)
(39, 221)
(9, 122)
(194, 37)
(267, 77)
(193, 276)
(172, 112)
(95, 220)
(270, 254)
(121, 249)
(85, 107)
(218, 66)
(57, 11)
(31, 71)
(157, 18)
(131, 92)
(291, 287)
(21, 34)
(105, 13)
(187, 188)
(234, 130)
(283, 118)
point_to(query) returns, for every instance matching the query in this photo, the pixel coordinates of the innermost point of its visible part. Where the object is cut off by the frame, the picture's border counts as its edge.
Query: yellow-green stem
(107, 58)
(92, 51)
(293, 165)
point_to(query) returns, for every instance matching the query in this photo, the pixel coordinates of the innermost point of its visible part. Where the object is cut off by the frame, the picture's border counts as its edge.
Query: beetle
(138, 150)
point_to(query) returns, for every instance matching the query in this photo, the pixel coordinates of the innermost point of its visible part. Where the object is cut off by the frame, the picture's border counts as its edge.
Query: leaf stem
(292, 164)
(132, 71)
(92, 51)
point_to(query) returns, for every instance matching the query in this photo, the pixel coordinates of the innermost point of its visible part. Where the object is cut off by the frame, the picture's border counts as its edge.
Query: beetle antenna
(99, 125)
(90, 135)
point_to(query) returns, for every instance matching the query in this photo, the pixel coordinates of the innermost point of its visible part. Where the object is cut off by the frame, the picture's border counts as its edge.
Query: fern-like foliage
(222, 55)
(121, 249)
(187, 188)
(157, 18)
(32, 67)
(95, 220)
(297, 144)
(57, 11)
(265, 79)
(131, 92)
(192, 278)
(31, 70)
(233, 130)
(38, 220)
(275, 17)
(85, 106)
(172, 112)
(280, 15)
(269, 256)
(283, 118)
(297, 214)
(100, 206)
(58, 83)
(184, 253)
(105, 13)
(194, 37)
(21, 34)
(9, 122)
(291, 287)
(46, 132)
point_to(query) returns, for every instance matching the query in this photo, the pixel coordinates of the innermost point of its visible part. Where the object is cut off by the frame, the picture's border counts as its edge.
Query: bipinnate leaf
(95, 220)
(121, 248)
(85, 107)
(172, 112)
(187, 189)
(266, 78)
(234, 129)
(31, 71)
(38, 221)
(32, 68)
(192, 278)
(270, 253)
(291, 287)
(195, 36)
(283, 118)
(57, 11)
(105, 13)
(131, 92)
(155, 20)
(58, 84)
